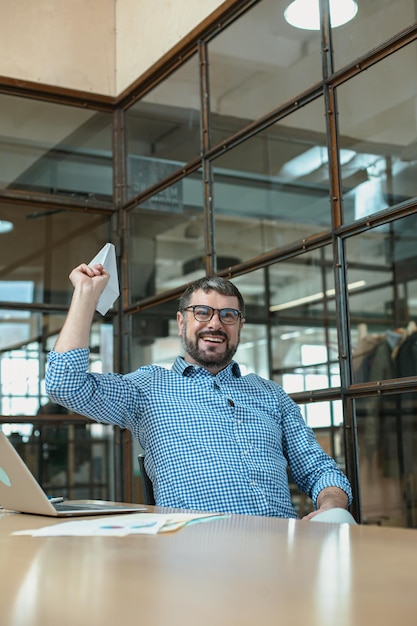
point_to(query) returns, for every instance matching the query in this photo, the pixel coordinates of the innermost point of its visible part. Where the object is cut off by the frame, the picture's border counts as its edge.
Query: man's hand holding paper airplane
(107, 258)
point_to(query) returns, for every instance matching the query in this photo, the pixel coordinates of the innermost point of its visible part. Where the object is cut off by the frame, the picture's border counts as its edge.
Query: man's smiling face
(210, 344)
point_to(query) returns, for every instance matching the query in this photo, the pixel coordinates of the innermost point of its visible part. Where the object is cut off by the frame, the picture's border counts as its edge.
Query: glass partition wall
(262, 152)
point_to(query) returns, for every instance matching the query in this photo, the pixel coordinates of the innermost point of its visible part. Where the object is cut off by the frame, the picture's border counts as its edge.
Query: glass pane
(22, 368)
(378, 134)
(383, 311)
(68, 460)
(252, 354)
(374, 23)
(41, 250)
(257, 64)
(387, 438)
(304, 340)
(163, 129)
(323, 414)
(167, 248)
(154, 336)
(273, 189)
(26, 339)
(55, 149)
(302, 362)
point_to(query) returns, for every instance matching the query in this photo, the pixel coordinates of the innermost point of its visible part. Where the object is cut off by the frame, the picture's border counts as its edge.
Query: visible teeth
(215, 339)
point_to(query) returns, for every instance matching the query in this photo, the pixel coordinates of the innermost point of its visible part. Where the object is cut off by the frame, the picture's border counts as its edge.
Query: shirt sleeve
(107, 398)
(312, 469)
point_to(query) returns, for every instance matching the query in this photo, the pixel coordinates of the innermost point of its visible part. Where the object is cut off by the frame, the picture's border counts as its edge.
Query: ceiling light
(5, 227)
(305, 13)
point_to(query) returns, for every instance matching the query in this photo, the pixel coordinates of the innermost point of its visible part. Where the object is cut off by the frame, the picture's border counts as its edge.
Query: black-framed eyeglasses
(204, 313)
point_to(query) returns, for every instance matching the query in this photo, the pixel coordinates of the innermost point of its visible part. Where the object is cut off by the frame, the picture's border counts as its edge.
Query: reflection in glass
(300, 287)
(257, 64)
(383, 312)
(55, 149)
(163, 129)
(324, 414)
(72, 460)
(166, 248)
(21, 377)
(42, 249)
(302, 361)
(252, 353)
(374, 23)
(378, 133)
(273, 189)
(387, 437)
(25, 343)
(153, 336)
(16, 291)
(303, 328)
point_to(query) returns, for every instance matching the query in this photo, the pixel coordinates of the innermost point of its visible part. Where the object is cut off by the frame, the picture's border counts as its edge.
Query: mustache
(217, 333)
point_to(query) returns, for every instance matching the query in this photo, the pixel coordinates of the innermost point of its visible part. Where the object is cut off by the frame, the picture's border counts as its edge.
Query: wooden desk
(238, 571)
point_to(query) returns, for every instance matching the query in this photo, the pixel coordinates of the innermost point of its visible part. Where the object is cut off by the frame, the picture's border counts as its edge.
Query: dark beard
(202, 358)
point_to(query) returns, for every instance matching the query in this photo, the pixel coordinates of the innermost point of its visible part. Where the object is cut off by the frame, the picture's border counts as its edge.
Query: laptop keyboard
(87, 507)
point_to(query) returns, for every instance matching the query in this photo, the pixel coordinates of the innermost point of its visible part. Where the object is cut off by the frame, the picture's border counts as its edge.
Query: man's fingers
(93, 270)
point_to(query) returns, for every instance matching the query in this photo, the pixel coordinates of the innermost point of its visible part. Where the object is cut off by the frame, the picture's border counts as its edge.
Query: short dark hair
(212, 283)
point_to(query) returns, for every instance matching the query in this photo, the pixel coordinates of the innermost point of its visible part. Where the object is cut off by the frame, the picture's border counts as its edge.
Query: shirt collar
(181, 366)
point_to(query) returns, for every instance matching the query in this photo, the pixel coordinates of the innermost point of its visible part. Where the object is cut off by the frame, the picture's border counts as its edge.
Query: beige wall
(99, 46)
(68, 43)
(147, 29)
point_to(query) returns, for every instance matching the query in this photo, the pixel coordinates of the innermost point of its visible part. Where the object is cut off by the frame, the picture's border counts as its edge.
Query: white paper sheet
(122, 525)
(107, 257)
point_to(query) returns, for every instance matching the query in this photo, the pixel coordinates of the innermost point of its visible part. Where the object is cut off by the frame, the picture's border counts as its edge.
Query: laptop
(20, 491)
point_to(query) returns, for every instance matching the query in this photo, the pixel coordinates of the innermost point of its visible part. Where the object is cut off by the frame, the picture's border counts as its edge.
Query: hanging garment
(377, 415)
(406, 365)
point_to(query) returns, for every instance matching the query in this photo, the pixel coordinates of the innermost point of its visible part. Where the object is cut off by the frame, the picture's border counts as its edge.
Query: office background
(216, 137)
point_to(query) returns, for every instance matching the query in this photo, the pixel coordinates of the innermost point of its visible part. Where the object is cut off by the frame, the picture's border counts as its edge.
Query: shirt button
(231, 402)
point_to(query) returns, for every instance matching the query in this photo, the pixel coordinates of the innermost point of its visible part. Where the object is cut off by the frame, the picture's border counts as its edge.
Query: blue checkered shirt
(212, 443)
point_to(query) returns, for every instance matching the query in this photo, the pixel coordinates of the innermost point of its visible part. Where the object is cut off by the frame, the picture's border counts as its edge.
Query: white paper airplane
(107, 258)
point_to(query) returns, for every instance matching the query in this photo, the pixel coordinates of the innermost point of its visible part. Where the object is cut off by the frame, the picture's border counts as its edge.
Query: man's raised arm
(89, 283)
